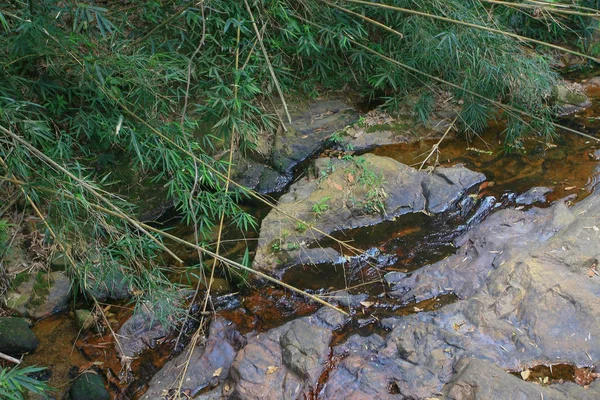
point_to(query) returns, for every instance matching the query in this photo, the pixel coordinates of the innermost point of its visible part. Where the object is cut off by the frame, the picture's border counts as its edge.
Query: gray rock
(310, 128)
(89, 386)
(347, 199)
(41, 295)
(481, 380)
(15, 337)
(140, 332)
(260, 177)
(534, 195)
(107, 283)
(209, 363)
(570, 98)
(286, 361)
(527, 300)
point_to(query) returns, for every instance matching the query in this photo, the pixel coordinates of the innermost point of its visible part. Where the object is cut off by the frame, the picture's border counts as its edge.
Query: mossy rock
(89, 386)
(16, 337)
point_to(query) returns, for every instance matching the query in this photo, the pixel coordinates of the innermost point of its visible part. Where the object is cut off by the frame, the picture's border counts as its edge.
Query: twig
(9, 358)
(266, 55)
(437, 145)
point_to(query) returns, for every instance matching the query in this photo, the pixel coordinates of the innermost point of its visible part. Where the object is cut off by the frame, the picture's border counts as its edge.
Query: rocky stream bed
(476, 279)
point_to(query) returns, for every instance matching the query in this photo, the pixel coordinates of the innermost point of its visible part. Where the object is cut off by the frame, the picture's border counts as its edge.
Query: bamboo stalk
(471, 25)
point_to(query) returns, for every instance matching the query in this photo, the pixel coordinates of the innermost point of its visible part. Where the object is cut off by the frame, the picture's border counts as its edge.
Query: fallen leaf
(591, 273)
(367, 303)
(545, 380)
(271, 369)
(570, 187)
(350, 178)
(218, 372)
(525, 374)
(337, 186)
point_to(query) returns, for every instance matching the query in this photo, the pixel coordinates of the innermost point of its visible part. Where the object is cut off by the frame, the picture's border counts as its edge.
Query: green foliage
(321, 206)
(374, 200)
(4, 226)
(301, 227)
(14, 382)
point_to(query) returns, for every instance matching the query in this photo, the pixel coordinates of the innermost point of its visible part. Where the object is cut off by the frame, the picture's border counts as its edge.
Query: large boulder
(270, 168)
(352, 193)
(482, 380)
(529, 296)
(311, 126)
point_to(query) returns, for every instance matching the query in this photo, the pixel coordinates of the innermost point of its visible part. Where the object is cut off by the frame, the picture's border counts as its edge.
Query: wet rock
(311, 126)
(286, 361)
(41, 295)
(482, 380)
(88, 386)
(534, 195)
(84, 319)
(15, 337)
(260, 177)
(208, 367)
(140, 332)
(528, 298)
(570, 98)
(345, 299)
(342, 198)
(107, 283)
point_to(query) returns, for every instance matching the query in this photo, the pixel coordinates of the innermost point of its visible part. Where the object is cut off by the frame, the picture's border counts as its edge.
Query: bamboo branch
(471, 25)
(268, 61)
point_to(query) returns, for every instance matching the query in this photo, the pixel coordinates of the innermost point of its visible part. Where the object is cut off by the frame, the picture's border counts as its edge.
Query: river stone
(41, 295)
(89, 386)
(140, 332)
(208, 365)
(260, 177)
(534, 195)
(311, 126)
(286, 361)
(570, 98)
(84, 319)
(107, 283)
(16, 337)
(282, 243)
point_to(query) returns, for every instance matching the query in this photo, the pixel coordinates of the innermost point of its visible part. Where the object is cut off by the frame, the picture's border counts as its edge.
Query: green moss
(19, 279)
(41, 289)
